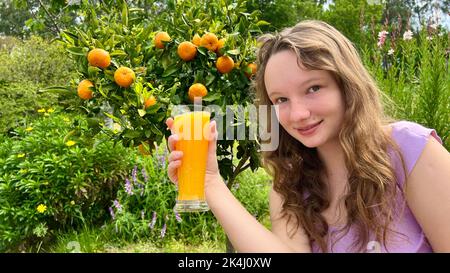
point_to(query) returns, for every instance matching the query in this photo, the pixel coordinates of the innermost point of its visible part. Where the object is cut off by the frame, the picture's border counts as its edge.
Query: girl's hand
(175, 157)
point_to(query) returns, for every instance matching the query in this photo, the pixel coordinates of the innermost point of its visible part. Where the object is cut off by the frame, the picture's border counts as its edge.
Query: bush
(25, 68)
(36, 61)
(144, 206)
(55, 176)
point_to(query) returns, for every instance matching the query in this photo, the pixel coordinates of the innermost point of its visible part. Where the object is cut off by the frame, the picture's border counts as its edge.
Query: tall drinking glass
(191, 124)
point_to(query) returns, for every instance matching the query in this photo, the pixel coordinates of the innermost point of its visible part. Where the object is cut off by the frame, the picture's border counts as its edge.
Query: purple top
(411, 138)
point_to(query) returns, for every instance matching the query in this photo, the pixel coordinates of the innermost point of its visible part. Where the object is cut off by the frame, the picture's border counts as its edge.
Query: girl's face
(311, 105)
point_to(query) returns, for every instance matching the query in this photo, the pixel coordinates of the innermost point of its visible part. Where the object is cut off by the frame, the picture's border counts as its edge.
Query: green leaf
(80, 51)
(116, 119)
(59, 90)
(170, 70)
(211, 97)
(142, 112)
(262, 23)
(125, 13)
(118, 52)
(234, 52)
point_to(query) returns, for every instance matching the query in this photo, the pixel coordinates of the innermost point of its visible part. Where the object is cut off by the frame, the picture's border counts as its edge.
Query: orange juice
(193, 131)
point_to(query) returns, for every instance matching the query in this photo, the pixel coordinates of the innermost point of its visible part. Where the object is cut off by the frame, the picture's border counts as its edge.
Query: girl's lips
(309, 131)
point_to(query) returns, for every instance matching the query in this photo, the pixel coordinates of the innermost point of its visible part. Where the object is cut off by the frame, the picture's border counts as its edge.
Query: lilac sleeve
(412, 138)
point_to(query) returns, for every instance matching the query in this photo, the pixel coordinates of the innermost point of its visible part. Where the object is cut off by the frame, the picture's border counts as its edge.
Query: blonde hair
(372, 183)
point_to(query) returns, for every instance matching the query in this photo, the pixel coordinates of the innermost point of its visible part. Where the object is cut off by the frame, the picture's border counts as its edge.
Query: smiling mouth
(309, 127)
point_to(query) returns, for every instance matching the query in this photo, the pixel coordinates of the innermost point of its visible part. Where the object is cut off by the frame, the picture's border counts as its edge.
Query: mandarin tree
(189, 48)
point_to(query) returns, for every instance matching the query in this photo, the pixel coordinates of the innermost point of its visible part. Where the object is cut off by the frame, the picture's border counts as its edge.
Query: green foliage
(36, 61)
(415, 77)
(147, 192)
(353, 18)
(25, 68)
(128, 35)
(285, 13)
(55, 175)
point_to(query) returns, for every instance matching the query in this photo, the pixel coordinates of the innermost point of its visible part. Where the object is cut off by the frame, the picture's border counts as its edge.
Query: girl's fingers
(171, 141)
(175, 155)
(172, 170)
(169, 123)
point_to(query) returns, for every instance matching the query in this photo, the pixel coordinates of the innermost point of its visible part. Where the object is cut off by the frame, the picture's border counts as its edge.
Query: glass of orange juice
(191, 124)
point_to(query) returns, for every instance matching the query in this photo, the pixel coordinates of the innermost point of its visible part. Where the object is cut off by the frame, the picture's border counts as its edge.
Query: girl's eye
(279, 100)
(314, 89)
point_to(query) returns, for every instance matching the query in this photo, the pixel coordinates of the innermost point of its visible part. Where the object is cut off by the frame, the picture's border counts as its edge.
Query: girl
(345, 177)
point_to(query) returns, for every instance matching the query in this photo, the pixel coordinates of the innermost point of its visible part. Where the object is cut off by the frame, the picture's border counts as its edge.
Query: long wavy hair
(370, 201)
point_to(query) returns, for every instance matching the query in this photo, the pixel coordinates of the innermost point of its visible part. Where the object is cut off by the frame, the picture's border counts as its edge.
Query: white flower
(391, 52)
(434, 26)
(429, 38)
(408, 35)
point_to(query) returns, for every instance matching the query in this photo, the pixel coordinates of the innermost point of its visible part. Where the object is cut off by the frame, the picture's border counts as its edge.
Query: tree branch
(50, 16)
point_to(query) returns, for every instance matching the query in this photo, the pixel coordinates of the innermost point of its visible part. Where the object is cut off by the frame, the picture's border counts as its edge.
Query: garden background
(89, 175)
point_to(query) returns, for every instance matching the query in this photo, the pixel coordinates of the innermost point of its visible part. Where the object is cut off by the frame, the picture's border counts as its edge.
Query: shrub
(55, 175)
(145, 201)
(25, 68)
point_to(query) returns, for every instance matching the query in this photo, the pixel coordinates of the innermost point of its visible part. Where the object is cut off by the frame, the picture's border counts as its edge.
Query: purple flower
(118, 205)
(111, 211)
(152, 223)
(128, 187)
(144, 174)
(163, 230)
(134, 174)
(178, 217)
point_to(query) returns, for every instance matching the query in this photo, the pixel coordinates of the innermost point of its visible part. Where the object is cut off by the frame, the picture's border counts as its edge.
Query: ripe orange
(150, 102)
(197, 90)
(220, 45)
(84, 91)
(224, 64)
(250, 70)
(99, 58)
(187, 51)
(124, 76)
(197, 40)
(161, 37)
(210, 41)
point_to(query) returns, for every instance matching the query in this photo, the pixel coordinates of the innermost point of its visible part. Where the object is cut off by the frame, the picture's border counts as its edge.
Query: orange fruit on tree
(161, 37)
(84, 91)
(220, 45)
(99, 57)
(197, 90)
(124, 76)
(210, 41)
(224, 64)
(250, 70)
(197, 40)
(150, 102)
(187, 51)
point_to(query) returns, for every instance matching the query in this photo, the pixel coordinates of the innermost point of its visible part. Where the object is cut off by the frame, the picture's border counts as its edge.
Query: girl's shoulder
(411, 137)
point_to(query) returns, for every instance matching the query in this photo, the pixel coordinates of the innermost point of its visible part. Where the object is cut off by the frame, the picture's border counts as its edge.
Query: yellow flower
(72, 202)
(28, 129)
(50, 110)
(20, 155)
(42, 110)
(70, 143)
(66, 119)
(41, 208)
